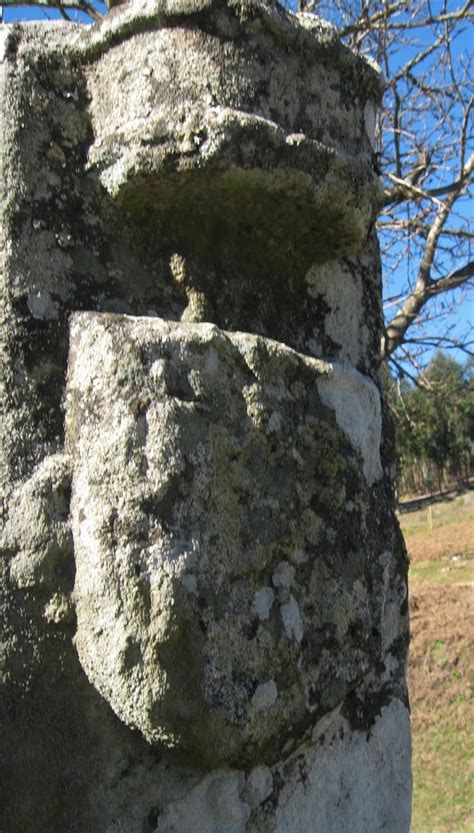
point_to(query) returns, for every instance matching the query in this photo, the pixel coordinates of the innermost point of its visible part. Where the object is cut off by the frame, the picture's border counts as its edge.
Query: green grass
(458, 510)
(441, 547)
(449, 572)
(445, 534)
(443, 780)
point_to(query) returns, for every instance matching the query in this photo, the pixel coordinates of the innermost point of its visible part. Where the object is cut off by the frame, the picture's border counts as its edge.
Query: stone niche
(203, 584)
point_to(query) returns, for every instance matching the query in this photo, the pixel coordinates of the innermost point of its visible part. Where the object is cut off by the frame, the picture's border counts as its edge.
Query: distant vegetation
(434, 418)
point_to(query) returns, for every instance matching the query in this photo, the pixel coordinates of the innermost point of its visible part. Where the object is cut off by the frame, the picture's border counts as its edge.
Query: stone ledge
(200, 459)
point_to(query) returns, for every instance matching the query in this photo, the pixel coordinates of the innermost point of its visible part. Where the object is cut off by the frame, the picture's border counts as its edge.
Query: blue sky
(10, 15)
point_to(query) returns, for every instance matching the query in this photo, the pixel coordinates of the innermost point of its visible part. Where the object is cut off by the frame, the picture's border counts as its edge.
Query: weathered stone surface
(218, 610)
(203, 586)
(214, 118)
(354, 769)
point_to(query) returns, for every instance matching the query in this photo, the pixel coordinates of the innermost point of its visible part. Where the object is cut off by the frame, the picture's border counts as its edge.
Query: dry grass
(446, 542)
(442, 532)
(440, 668)
(442, 708)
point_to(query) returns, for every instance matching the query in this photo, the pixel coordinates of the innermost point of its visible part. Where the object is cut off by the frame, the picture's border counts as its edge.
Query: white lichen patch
(341, 292)
(259, 785)
(356, 402)
(370, 115)
(291, 617)
(283, 575)
(211, 364)
(299, 556)
(265, 695)
(347, 769)
(262, 603)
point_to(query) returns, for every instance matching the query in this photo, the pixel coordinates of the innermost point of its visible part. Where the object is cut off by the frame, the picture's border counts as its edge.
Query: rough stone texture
(204, 464)
(202, 586)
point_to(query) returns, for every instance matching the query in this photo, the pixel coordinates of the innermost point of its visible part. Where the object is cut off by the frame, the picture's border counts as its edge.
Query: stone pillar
(203, 584)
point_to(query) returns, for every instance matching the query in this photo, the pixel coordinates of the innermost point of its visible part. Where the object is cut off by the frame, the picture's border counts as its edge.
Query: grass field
(440, 543)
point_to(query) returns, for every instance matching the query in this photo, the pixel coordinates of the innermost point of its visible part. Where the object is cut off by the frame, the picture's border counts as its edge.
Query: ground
(439, 534)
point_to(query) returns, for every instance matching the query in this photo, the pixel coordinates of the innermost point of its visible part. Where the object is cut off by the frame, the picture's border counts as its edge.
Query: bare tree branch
(63, 6)
(396, 329)
(366, 22)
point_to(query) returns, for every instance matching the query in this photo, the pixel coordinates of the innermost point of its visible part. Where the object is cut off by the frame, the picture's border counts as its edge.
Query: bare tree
(95, 11)
(424, 142)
